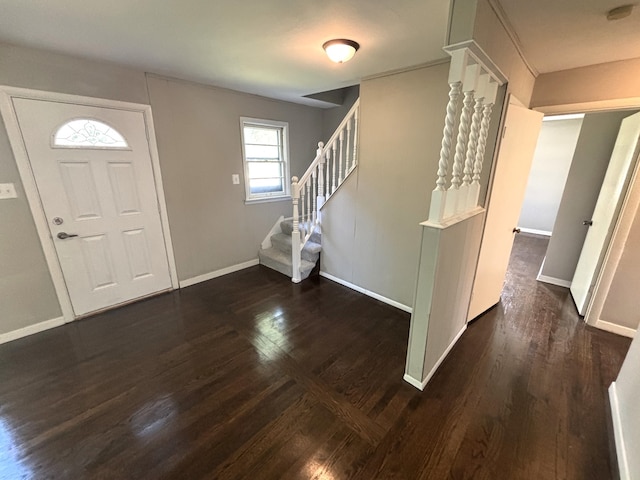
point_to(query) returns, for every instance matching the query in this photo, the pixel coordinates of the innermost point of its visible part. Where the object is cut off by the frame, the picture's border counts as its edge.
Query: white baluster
(321, 197)
(354, 159)
(314, 181)
(295, 234)
(335, 164)
(340, 167)
(327, 184)
(474, 191)
(438, 196)
(463, 197)
(308, 223)
(349, 165)
(458, 159)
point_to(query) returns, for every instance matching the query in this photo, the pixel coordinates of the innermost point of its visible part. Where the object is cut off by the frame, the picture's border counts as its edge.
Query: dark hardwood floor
(249, 376)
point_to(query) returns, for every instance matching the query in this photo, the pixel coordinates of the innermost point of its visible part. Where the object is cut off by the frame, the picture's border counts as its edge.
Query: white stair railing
(334, 161)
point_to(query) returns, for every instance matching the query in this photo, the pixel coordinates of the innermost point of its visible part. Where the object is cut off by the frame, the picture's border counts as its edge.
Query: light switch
(7, 190)
(235, 178)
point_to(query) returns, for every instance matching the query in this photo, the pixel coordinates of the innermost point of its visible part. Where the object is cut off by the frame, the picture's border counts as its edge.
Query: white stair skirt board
(31, 329)
(218, 273)
(621, 451)
(368, 293)
(534, 231)
(614, 328)
(421, 384)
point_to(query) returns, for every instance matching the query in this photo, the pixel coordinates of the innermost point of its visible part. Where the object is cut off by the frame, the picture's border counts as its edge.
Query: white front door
(94, 175)
(606, 211)
(522, 127)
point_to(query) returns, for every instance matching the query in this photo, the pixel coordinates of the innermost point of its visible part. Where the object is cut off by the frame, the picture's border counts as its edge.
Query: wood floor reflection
(251, 377)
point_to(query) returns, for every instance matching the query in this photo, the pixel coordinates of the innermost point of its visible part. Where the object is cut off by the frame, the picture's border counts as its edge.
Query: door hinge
(504, 131)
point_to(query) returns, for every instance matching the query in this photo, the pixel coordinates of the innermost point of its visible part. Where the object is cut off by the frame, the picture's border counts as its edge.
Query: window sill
(286, 198)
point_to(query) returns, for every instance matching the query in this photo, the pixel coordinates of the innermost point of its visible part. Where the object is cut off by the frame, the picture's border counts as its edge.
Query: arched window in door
(88, 133)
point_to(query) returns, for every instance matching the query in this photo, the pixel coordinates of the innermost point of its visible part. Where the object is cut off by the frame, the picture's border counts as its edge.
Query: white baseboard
(369, 293)
(554, 281)
(615, 328)
(621, 451)
(534, 231)
(413, 382)
(218, 273)
(31, 329)
(421, 384)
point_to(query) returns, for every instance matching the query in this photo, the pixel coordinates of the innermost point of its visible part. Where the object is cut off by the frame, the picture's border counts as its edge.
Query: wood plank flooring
(251, 377)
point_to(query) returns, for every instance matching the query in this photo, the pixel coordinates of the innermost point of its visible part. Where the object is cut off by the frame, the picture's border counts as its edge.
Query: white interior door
(522, 127)
(606, 211)
(96, 185)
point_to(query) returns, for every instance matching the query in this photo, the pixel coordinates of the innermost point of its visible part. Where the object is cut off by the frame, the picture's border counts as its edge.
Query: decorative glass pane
(261, 135)
(85, 132)
(266, 185)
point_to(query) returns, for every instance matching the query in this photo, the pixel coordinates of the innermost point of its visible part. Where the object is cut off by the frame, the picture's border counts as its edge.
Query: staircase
(293, 246)
(278, 256)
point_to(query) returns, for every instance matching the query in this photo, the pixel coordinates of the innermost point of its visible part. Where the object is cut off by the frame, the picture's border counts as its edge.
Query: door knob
(516, 230)
(587, 223)
(64, 235)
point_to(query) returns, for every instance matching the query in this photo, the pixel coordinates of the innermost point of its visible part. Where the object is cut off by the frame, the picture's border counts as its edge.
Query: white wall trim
(369, 293)
(621, 452)
(546, 233)
(31, 191)
(615, 328)
(218, 273)
(31, 329)
(421, 384)
(554, 281)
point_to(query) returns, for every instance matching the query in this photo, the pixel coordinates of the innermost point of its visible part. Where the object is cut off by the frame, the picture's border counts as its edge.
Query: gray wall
(198, 133)
(331, 117)
(589, 164)
(211, 227)
(549, 170)
(371, 236)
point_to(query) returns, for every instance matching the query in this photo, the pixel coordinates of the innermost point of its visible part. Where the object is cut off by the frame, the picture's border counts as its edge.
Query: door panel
(606, 211)
(522, 127)
(106, 196)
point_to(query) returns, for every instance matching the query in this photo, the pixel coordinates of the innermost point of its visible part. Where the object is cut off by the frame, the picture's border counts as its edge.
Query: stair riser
(286, 248)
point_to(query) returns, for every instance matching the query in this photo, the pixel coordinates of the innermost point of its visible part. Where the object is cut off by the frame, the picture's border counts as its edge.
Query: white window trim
(274, 197)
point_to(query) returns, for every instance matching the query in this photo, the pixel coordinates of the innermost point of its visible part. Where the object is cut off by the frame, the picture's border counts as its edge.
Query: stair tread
(285, 259)
(310, 246)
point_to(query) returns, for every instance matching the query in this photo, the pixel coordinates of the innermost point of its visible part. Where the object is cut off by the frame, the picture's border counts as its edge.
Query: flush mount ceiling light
(619, 12)
(340, 50)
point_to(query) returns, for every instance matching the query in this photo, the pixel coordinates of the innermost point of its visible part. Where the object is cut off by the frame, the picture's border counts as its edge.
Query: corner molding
(31, 329)
(481, 57)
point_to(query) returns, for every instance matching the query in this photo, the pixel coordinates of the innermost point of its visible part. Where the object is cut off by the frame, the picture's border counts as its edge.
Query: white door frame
(7, 93)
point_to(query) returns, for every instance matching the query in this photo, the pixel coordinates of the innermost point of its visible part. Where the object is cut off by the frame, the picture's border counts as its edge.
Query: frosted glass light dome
(340, 50)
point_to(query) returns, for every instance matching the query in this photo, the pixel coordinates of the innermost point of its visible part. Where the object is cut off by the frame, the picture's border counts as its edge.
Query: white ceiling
(268, 47)
(562, 34)
(274, 47)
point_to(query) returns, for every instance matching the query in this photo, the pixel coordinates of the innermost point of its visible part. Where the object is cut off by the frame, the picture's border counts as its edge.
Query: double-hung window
(265, 152)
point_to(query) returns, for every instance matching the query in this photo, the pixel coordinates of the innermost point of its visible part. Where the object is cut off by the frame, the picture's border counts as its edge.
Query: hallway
(250, 376)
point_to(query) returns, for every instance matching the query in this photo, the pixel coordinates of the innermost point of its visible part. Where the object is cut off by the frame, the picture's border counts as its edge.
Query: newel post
(295, 234)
